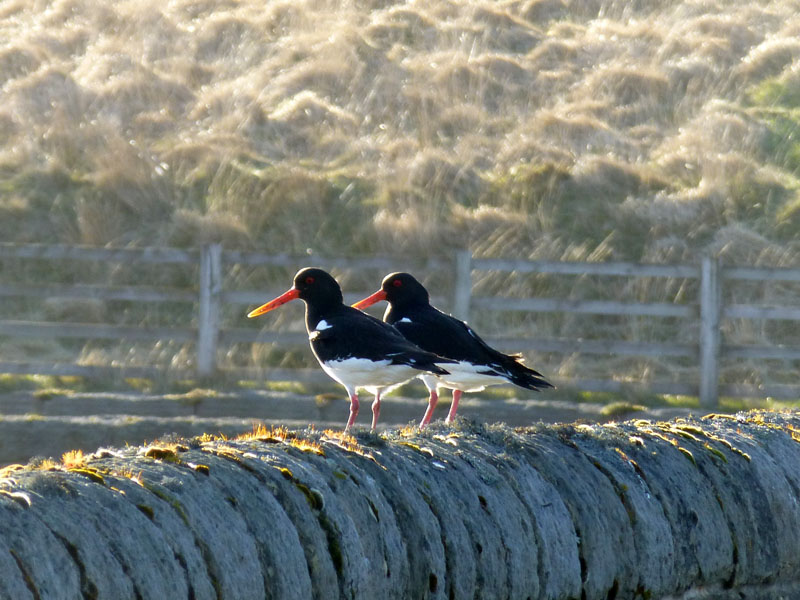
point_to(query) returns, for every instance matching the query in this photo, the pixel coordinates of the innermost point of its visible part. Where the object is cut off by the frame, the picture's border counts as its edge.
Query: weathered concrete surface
(37, 425)
(692, 508)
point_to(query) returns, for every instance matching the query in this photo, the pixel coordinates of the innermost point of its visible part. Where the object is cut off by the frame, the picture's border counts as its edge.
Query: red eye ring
(397, 283)
(309, 280)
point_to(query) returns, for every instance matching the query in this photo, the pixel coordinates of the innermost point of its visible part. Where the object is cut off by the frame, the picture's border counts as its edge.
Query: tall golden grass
(161, 122)
(554, 129)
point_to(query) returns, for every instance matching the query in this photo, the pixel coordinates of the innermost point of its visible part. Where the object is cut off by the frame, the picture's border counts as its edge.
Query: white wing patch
(404, 320)
(321, 326)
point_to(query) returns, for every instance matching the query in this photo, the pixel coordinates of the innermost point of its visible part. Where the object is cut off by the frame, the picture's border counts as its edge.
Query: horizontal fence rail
(210, 301)
(587, 307)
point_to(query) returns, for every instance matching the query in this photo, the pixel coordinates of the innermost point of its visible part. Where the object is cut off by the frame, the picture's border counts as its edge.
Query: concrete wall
(703, 508)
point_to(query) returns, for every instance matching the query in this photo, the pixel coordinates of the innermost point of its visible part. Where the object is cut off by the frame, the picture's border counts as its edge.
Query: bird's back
(447, 336)
(350, 333)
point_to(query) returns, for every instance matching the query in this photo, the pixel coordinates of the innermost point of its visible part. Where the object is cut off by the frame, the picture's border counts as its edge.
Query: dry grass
(550, 129)
(73, 459)
(178, 123)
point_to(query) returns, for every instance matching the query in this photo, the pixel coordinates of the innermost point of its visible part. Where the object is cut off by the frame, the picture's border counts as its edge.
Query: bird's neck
(395, 313)
(316, 313)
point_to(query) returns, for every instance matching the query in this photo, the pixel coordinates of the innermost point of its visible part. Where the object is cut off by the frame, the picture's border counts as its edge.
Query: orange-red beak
(285, 297)
(370, 300)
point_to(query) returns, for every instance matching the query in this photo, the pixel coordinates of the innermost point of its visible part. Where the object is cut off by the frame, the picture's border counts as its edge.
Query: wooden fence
(210, 335)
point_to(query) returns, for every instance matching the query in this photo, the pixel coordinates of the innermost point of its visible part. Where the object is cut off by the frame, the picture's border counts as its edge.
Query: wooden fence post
(462, 288)
(208, 318)
(710, 310)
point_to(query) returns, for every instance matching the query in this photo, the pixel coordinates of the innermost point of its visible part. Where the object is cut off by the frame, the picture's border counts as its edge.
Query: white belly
(463, 376)
(355, 373)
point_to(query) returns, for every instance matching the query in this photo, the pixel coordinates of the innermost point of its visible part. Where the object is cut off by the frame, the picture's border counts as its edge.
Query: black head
(402, 289)
(315, 286)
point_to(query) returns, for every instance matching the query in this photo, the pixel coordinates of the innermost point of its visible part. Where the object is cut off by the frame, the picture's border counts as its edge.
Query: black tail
(424, 361)
(520, 375)
(531, 382)
(437, 370)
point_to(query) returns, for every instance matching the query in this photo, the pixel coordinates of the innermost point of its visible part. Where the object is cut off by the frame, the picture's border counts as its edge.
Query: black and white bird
(354, 348)
(477, 364)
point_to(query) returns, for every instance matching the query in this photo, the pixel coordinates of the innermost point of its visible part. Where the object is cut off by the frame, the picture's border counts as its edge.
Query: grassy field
(630, 130)
(551, 129)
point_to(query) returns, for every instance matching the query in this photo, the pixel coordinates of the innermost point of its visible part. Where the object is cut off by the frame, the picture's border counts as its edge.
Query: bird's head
(312, 285)
(399, 290)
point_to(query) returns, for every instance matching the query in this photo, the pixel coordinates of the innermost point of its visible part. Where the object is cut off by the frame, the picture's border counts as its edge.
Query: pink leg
(429, 412)
(353, 411)
(453, 407)
(376, 410)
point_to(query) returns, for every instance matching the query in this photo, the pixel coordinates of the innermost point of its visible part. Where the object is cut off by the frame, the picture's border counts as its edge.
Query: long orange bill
(285, 297)
(370, 300)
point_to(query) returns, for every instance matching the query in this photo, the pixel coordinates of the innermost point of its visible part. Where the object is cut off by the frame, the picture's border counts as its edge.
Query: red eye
(309, 280)
(397, 283)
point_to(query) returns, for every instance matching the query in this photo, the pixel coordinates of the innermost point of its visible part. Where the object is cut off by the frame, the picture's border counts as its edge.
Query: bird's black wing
(445, 335)
(352, 333)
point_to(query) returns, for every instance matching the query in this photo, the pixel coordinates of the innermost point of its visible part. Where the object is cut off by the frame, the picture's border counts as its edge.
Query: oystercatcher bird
(352, 347)
(477, 364)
